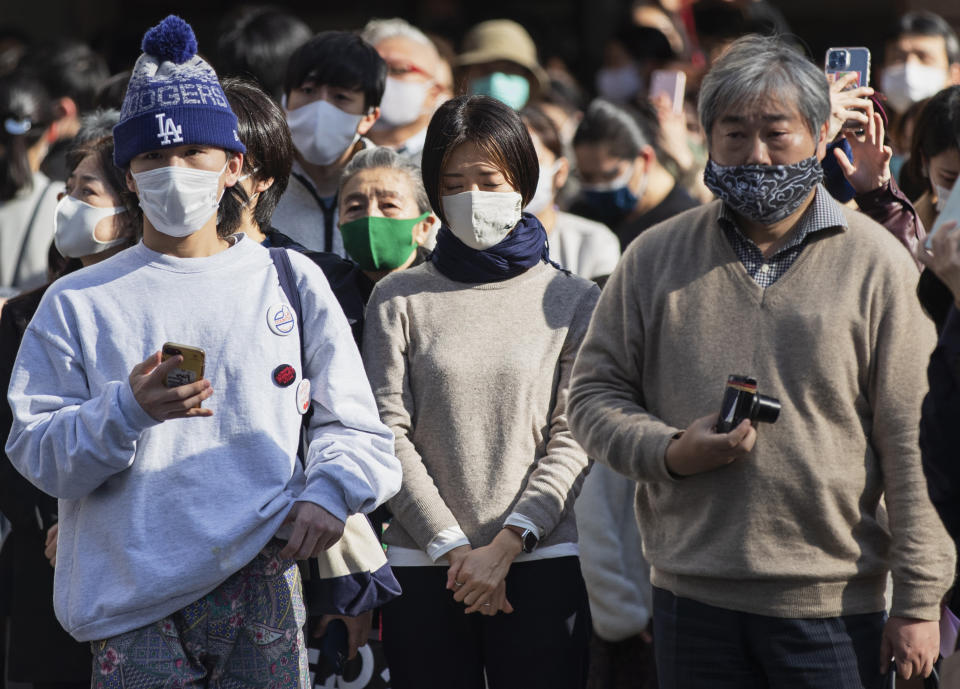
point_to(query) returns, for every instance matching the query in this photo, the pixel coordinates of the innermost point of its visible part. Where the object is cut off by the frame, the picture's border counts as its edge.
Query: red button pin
(284, 375)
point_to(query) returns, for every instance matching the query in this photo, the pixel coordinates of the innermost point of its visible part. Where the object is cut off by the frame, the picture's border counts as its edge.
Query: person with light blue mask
(499, 59)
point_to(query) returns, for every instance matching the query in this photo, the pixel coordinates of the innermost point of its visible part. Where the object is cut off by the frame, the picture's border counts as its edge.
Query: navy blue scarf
(519, 251)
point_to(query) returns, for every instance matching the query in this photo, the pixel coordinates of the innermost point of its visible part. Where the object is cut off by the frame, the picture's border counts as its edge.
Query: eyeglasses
(399, 69)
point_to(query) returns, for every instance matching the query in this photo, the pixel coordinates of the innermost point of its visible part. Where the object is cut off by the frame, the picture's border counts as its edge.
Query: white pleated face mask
(907, 83)
(543, 196)
(481, 219)
(942, 195)
(402, 102)
(76, 223)
(178, 201)
(322, 132)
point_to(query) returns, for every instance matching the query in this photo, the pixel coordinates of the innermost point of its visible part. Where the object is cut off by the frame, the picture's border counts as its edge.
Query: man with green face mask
(499, 59)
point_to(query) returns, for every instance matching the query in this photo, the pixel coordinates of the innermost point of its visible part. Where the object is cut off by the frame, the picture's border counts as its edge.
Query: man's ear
(822, 142)
(131, 182)
(234, 167)
(262, 185)
(953, 73)
(368, 121)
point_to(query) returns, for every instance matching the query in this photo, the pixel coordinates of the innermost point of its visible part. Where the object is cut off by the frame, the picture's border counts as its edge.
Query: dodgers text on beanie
(173, 98)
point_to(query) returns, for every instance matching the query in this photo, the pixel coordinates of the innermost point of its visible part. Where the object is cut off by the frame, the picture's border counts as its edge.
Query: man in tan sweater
(768, 547)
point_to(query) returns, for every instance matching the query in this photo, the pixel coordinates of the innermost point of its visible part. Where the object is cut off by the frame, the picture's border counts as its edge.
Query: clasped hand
(477, 577)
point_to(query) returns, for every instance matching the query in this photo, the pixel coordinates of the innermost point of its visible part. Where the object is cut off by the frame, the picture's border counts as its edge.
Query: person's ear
(66, 108)
(262, 185)
(368, 121)
(422, 229)
(60, 195)
(234, 168)
(561, 175)
(131, 182)
(821, 151)
(953, 74)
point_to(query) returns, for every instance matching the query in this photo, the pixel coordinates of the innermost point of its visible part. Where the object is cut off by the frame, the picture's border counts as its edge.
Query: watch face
(529, 541)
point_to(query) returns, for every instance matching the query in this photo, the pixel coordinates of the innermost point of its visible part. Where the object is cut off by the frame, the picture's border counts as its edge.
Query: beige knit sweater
(473, 380)
(792, 530)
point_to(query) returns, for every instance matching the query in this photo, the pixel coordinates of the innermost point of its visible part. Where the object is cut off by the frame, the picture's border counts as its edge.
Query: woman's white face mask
(178, 201)
(481, 219)
(76, 225)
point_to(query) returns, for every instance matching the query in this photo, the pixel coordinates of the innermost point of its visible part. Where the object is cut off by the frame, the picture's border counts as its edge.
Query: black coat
(38, 649)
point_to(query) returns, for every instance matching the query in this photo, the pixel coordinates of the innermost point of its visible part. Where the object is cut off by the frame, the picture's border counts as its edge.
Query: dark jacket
(38, 649)
(940, 426)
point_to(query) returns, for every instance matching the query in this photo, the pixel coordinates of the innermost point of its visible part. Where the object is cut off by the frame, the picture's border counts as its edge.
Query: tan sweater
(792, 530)
(473, 380)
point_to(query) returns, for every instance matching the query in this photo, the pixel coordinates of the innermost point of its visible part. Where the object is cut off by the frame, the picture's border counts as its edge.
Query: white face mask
(543, 196)
(942, 194)
(76, 222)
(178, 201)
(907, 83)
(322, 131)
(481, 219)
(402, 102)
(619, 84)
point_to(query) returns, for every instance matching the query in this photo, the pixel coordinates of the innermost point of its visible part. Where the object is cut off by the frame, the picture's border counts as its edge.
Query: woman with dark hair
(27, 196)
(96, 218)
(935, 152)
(469, 356)
(583, 246)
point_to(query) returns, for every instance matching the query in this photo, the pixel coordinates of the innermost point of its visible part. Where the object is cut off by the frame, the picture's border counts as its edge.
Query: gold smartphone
(190, 369)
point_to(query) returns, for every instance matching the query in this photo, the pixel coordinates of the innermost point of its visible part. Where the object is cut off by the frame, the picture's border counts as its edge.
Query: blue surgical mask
(612, 202)
(512, 89)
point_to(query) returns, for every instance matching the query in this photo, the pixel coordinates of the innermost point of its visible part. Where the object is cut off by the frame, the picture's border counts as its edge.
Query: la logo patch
(169, 132)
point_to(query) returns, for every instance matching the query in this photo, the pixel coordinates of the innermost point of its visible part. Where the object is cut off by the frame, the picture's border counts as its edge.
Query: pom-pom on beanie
(173, 98)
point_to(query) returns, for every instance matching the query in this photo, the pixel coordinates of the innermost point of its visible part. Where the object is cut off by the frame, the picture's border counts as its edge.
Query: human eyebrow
(452, 174)
(355, 196)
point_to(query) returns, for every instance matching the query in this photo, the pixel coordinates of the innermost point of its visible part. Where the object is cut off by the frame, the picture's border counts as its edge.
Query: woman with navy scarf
(469, 356)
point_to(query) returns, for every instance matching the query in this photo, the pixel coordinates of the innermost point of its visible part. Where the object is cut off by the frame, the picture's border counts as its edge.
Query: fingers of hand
(296, 539)
(147, 365)
(845, 165)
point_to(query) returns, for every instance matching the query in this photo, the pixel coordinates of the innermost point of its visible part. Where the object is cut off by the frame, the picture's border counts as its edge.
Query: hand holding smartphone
(190, 369)
(671, 84)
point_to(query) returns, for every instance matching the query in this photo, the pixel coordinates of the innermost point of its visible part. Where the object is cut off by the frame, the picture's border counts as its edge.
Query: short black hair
(623, 131)
(263, 129)
(341, 59)
(256, 43)
(68, 68)
(926, 23)
(26, 111)
(495, 128)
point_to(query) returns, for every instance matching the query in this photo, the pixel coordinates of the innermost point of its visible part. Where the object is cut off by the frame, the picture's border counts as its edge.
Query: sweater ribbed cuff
(919, 602)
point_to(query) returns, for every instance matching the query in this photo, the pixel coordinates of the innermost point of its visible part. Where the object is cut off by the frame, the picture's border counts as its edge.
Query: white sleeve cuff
(445, 541)
(517, 519)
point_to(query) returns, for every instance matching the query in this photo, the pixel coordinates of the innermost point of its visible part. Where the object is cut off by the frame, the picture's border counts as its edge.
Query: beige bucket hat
(503, 39)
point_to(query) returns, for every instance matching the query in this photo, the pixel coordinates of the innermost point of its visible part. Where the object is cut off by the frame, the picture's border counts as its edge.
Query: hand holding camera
(713, 441)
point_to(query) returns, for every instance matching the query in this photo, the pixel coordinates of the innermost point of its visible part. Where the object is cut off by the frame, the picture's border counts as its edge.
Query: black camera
(742, 401)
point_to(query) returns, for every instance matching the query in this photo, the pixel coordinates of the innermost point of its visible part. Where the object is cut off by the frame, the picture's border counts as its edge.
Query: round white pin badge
(280, 319)
(303, 396)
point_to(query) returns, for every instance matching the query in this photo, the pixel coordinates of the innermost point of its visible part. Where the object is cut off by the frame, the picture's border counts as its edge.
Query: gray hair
(379, 157)
(759, 68)
(96, 125)
(378, 30)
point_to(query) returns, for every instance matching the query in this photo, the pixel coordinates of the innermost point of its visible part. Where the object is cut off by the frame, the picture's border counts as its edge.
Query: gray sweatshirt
(155, 515)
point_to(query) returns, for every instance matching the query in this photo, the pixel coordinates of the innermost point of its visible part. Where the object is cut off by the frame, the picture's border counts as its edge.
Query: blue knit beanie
(173, 98)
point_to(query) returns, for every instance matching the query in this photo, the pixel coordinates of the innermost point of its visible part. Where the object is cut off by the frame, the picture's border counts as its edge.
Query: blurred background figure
(582, 246)
(623, 183)
(256, 41)
(28, 198)
(417, 83)
(499, 59)
(72, 74)
(921, 57)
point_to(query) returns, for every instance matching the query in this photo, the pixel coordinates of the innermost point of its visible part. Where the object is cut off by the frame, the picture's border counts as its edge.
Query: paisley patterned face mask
(764, 193)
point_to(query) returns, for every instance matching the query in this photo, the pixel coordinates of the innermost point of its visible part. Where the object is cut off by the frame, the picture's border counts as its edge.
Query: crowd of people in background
(486, 312)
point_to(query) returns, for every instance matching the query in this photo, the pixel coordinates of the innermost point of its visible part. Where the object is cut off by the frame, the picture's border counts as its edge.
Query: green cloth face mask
(377, 243)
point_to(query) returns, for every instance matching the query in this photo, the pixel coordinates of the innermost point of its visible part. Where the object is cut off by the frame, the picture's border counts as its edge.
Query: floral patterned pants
(246, 634)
